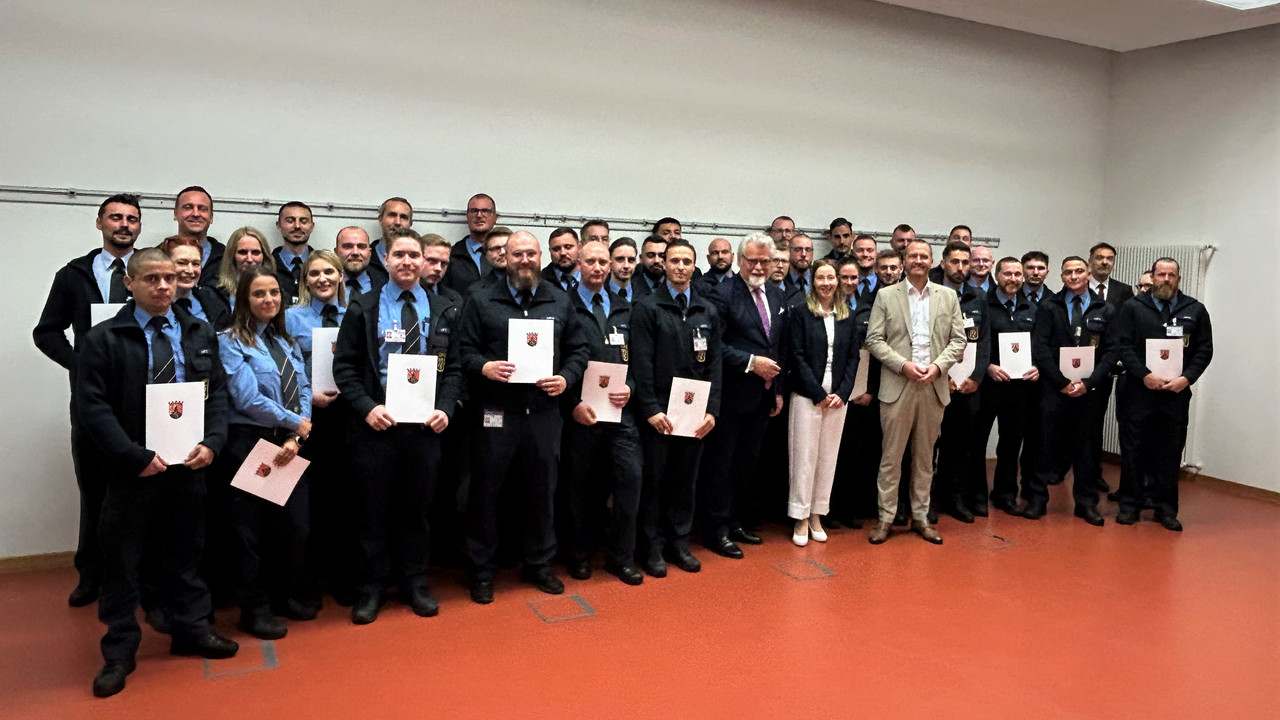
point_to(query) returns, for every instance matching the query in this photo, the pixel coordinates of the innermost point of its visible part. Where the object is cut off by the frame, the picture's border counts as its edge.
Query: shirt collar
(104, 259)
(319, 305)
(911, 290)
(143, 317)
(586, 294)
(674, 292)
(515, 294)
(1005, 298)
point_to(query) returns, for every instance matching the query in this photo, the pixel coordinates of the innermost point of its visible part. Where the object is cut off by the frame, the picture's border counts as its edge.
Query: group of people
(831, 398)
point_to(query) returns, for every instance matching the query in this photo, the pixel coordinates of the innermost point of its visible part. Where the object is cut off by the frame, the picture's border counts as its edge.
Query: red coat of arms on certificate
(604, 381)
(1014, 346)
(1075, 362)
(414, 374)
(531, 338)
(175, 408)
(688, 398)
(263, 470)
(1164, 355)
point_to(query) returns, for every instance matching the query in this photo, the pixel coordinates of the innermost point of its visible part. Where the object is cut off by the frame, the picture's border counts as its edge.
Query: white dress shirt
(919, 301)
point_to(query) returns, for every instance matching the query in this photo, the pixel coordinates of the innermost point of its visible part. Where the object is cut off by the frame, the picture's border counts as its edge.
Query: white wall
(1194, 157)
(702, 109)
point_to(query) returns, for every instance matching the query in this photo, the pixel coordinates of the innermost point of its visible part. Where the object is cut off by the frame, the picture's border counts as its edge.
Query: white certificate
(1015, 353)
(1076, 363)
(1164, 357)
(175, 419)
(259, 475)
(600, 379)
(531, 346)
(411, 387)
(963, 369)
(860, 379)
(103, 311)
(323, 343)
(688, 405)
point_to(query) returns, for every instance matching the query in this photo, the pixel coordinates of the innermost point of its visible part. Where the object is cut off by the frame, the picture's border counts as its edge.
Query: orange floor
(1008, 619)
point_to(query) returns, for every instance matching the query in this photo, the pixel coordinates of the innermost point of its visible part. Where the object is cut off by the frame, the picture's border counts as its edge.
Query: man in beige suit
(917, 334)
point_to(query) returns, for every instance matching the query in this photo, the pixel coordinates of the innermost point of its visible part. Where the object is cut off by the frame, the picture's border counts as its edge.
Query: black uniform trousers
(269, 541)
(854, 493)
(1072, 434)
(727, 494)
(1104, 390)
(395, 472)
(532, 440)
(331, 543)
(772, 473)
(164, 511)
(1006, 402)
(93, 490)
(667, 496)
(954, 482)
(1153, 435)
(601, 461)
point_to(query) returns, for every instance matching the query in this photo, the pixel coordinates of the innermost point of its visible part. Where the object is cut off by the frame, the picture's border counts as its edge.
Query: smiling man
(193, 211)
(295, 224)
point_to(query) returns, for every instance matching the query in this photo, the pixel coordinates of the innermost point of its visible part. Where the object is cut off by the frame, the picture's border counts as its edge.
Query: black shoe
(262, 625)
(1008, 508)
(1126, 517)
(482, 591)
(543, 579)
(1090, 515)
(961, 513)
(297, 610)
(979, 510)
(158, 621)
(420, 600)
(724, 547)
(683, 559)
(579, 569)
(744, 536)
(655, 565)
(345, 597)
(1169, 522)
(85, 594)
(829, 522)
(1034, 510)
(932, 516)
(110, 679)
(900, 520)
(211, 645)
(852, 523)
(366, 608)
(626, 573)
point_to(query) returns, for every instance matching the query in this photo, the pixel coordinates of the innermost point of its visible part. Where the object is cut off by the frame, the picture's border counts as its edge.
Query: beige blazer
(889, 337)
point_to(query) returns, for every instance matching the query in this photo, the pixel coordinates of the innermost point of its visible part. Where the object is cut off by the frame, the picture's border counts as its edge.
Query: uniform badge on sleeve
(175, 409)
(700, 356)
(440, 362)
(973, 334)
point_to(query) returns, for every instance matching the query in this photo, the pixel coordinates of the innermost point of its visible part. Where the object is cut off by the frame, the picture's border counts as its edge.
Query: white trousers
(814, 444)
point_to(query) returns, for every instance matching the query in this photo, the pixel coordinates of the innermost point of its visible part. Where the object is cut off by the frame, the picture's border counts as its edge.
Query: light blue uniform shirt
(363, 281)
(587, 295)
(287, 257)
(197, 308)
(1085, 299)
(171, 331)
(688, 298)
(475, 249)
(300, 320)
(253, 381)
(389, 308)
(102, 271)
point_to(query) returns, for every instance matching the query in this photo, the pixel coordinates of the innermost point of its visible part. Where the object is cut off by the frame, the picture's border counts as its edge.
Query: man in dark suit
(562, 271)
(864, 251)
(193, 212)
(393, 214)
(652, 269)
(961, 234)
(467, 263)
(841, 236)
(719, 264)
(521, 423)
(396, 465)
(295, 224)
(1102, 260)
(150, 343)
(623, 259)
(1035, 270)
(601, 462)
(359, 274)
(94, 278)
(435, 265)
(1157, 408)
(751, 317)
(797, 280)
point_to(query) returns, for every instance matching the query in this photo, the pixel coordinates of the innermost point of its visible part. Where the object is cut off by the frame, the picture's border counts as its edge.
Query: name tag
(699, 344)
(616, 339)
(968, 322)
(493, 418)
(394, 335)
(1173, 331)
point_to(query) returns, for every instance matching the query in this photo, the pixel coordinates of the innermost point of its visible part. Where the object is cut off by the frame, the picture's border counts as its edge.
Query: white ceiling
(1119, 25)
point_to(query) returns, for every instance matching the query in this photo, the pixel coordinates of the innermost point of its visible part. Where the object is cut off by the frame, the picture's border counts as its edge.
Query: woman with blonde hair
(247, 248)
(821, 366)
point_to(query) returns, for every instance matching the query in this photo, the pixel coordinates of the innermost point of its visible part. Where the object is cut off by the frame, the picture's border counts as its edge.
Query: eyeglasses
(480, 211)
(1144, 286)
(755, 261)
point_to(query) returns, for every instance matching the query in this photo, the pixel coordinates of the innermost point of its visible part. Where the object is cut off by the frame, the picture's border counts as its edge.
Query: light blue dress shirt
(253, 381)
(171, 331)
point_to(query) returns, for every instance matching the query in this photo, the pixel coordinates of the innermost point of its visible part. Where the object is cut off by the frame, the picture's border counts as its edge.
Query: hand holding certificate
(531, 348)
(1076, 363)
(175, 419)
(1015, 354)
(963, 369)
(687, 407)
(1164, 357)
(411, 387)
(323, 342)
(261, 476)
(598, 382)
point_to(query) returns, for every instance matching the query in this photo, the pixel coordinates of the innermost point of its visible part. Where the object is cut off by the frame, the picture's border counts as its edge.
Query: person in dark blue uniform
(203, 302)
(150, 505)
(854, 492)
(396, 465)
(359, 274)
(519, 423)
(193, 211)
(295, 223)
(270, 400)
(97, 277)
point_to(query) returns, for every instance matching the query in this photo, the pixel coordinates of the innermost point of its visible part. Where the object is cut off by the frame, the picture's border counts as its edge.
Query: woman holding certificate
(270, 400)
(821, 368)
(313, 323)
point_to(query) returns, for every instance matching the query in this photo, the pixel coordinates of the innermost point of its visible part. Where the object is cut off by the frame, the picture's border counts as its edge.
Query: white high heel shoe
(816, 531)
(800, 536)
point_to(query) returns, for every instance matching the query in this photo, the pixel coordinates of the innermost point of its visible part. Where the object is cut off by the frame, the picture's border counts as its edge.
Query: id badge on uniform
(1173, 331)
(699, 344)
(968, 322)
(493, 418)
(616, 338)
(394, 335)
